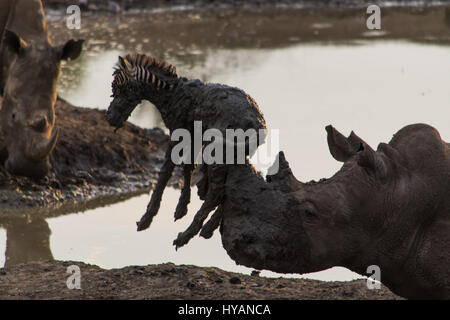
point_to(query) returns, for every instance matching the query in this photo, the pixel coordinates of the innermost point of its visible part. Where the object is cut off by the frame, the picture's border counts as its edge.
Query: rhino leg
(155, 201)
(216, 190)
(185, 197)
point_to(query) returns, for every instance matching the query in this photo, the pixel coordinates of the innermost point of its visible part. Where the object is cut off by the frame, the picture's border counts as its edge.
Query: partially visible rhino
(389, 208)
(29, 70)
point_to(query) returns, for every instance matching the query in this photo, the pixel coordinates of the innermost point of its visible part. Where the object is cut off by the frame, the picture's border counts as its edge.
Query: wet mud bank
(120, 6)
(164, 35)
(47, 280)
(90, 161)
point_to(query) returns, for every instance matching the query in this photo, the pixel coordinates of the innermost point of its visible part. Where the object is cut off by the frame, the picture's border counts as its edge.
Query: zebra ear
(126, 65)
(122, 62)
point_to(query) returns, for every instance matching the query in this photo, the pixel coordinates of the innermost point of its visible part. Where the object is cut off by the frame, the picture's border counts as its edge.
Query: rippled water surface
(305, 72)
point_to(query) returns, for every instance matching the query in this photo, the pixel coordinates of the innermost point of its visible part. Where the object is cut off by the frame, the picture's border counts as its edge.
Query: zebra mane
(140, 68)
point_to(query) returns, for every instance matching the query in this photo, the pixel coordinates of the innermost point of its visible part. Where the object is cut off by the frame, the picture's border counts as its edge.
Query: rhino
(388, 208)
(29, 70)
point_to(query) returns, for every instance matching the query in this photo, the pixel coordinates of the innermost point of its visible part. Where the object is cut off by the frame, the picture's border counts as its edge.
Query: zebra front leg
(216, 176)
(155, 201)
(185, 197)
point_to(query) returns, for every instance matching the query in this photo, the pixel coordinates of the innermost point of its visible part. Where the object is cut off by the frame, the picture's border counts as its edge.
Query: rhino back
(423, 150)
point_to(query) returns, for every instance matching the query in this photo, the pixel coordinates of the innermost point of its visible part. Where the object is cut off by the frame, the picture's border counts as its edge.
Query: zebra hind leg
(216, 178)
(213, 223)
(185, 196)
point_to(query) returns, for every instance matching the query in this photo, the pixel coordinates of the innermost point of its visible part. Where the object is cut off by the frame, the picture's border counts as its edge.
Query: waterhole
(305, 68)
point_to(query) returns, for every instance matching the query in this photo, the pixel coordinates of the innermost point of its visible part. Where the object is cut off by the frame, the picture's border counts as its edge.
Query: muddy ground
(90, 161)
(47, 280)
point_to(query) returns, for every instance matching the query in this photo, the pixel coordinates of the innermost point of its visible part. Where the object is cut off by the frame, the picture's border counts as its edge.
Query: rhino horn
(44, 148)
(280, 174)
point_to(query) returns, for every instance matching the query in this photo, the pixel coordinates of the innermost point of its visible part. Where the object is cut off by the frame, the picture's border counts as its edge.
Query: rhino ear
(372, 162)
(13, 41)
(355, 141)
(71, 50)
(340, 147)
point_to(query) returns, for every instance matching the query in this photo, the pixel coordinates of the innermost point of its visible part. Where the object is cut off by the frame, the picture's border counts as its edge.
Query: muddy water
(306, 69)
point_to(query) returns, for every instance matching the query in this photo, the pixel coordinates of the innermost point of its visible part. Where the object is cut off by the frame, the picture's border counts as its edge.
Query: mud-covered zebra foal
(181, 102)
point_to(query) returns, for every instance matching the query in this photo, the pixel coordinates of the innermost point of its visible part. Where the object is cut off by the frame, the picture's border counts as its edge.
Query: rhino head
(315, 224)
(387, 207)
(28, 112)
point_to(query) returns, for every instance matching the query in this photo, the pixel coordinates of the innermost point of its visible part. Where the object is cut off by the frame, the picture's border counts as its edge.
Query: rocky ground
(90, 161)
(47, 280)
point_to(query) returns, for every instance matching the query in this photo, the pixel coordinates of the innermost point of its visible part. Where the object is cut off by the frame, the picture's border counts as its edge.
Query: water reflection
(82, 236)
(2, 247)
(27, 239)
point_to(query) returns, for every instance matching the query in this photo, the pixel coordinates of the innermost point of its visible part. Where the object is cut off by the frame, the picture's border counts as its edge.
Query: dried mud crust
(47, 280)
(90, 160)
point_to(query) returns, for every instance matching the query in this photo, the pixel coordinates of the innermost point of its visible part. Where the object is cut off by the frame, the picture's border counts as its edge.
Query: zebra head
(138, 77)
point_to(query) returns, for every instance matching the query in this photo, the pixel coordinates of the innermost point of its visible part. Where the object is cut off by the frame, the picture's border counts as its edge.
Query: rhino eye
(309, 212)
(309, 215)
(13, 116)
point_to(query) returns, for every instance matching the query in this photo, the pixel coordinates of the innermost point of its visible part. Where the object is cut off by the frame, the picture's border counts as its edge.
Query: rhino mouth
(33, 161)
(28, 168)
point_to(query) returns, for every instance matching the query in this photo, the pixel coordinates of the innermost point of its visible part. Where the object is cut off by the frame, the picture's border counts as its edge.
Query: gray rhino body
(29, 70)
(389, 208)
